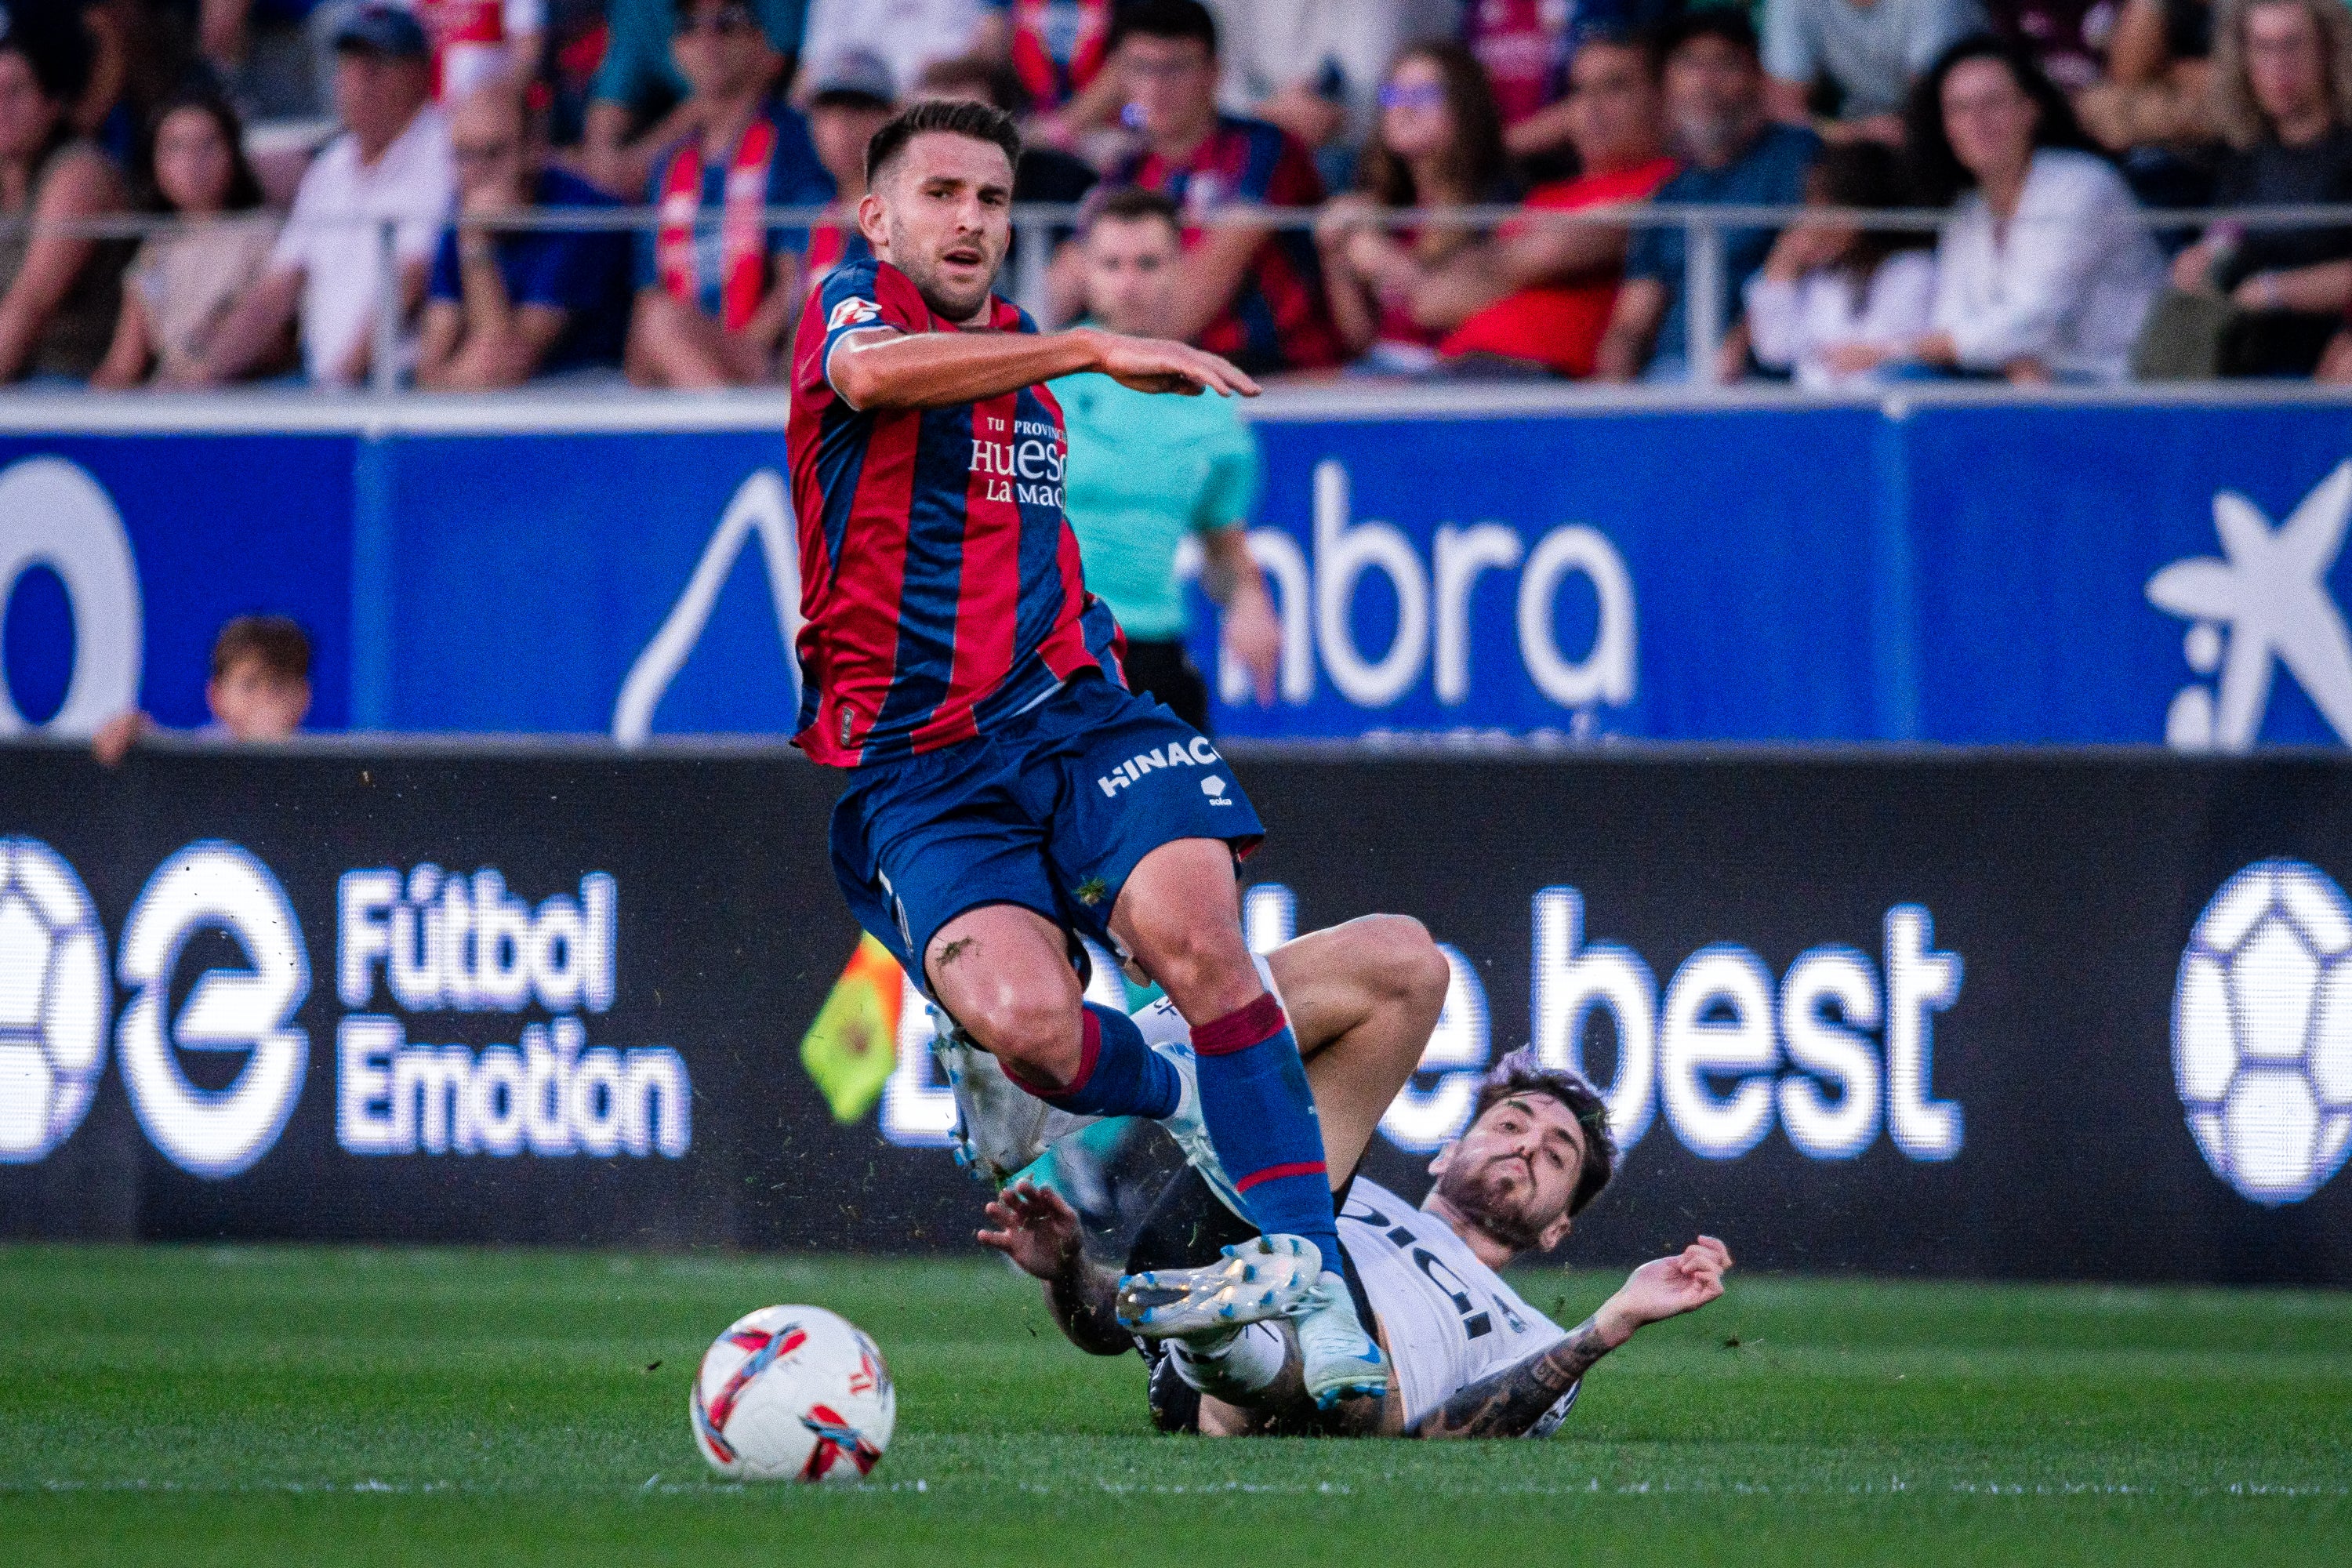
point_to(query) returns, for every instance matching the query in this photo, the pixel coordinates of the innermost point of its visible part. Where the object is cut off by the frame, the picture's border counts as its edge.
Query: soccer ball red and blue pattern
(793, 1392)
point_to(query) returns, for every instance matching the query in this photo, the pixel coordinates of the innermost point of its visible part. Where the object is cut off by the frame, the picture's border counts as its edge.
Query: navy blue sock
(1261, 1117)
(1118, 1075)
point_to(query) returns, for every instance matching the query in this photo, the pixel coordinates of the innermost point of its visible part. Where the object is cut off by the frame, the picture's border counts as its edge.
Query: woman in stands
(58, 292)
(1438, 143)
(2283, 74)
(2157, 92)
(1834, 302)
(181, 285)
(2044, 272)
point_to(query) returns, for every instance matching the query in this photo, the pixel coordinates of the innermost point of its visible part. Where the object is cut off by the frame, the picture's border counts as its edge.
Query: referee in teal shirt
(1146, 471)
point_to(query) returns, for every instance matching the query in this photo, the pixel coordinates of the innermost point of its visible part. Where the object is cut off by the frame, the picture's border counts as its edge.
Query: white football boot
(1001, 1127)
(1268, 1278)
(1338, 1358)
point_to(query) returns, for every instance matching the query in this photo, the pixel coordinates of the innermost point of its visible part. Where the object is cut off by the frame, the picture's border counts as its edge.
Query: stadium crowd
(291, 136)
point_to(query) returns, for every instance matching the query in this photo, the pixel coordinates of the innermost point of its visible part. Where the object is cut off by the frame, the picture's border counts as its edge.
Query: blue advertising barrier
(120, 555)
(1942, 569)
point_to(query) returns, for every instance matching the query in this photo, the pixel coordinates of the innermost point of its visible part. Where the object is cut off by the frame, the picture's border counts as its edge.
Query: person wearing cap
(59, 293)
(638, 104)
(717, 287)
(505, 307)
(854, 97)
(392, 164)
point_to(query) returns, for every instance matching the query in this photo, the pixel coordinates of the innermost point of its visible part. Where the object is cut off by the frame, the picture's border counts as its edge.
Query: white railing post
(1030, 257)
(1703, 297)
(383, 361)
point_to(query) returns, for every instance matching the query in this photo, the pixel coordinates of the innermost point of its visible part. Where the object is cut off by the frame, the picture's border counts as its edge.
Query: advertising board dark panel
(2033, 1014)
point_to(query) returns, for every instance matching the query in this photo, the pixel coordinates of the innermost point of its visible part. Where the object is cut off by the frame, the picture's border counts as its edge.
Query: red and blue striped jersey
(940, 590)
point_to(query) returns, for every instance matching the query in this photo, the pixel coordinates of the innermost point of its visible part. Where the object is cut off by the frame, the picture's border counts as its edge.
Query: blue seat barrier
(1947, 571)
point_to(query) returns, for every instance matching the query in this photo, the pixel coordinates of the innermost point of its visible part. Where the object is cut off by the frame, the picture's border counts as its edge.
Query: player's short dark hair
(1523, 1072)
(276, 640)
(949, 116)
(1162, 19)
(1729, 24)
(1132, 203)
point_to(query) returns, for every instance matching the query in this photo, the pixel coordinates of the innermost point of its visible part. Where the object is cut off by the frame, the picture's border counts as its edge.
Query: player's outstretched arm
(1039, 1232)
(888, 369)
(1513, 1402)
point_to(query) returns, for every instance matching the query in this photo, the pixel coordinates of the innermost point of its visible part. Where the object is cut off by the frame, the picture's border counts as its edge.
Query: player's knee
(1032, 1028)
(1191, 948)
(1407, 965)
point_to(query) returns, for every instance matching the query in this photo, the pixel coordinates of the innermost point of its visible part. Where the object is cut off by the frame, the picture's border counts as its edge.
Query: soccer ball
(793, 1391)
(2261, 1031)
(52, 1000)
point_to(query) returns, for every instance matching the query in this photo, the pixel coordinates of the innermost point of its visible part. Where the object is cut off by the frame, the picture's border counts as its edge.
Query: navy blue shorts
(1051, 811)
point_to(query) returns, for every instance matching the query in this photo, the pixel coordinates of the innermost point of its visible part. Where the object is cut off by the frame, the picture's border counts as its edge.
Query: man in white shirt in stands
(393, 161)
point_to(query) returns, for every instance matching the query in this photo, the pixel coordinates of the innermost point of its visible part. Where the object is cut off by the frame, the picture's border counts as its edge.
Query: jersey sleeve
(851, 299)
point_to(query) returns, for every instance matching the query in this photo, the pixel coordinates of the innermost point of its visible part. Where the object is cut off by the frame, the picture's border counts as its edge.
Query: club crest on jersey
(851, 311)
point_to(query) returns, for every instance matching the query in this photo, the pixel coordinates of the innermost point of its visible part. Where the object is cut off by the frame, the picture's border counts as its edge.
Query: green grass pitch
(246, 1406)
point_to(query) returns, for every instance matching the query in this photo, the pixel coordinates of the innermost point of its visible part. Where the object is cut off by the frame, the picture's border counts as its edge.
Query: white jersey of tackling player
(1449, 1319)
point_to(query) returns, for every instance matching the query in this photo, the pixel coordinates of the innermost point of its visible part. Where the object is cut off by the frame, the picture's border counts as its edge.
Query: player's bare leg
(1363, 997)
(1180, 914)
(1003, 973)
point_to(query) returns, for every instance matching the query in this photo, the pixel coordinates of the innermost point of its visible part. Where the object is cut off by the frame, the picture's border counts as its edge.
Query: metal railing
(1704, 228)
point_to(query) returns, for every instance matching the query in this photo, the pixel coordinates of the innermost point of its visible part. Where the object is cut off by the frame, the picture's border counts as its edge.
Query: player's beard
(1482, 1196)
(923, 271)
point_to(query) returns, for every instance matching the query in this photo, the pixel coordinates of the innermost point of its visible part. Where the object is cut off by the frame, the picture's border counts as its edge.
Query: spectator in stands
(1252, 293)
(183, 285)
(1547, 291)
(1834, 302)
(2045, 273)
(1733, 153)
(1056, 49)
(505, 307)
(1527, 46)
(391, 164)
(2068, 38)
(717, 289)
(639, 104)
(1314, 67)
(1145, 474)
(2282, 71)
(904, 35)
(1865, 53)
(2158, 91)
(138, 61)
(853, 97)
(1438, 143)
(59, 293)
(266, 52)
(259, 690)
(479, 42)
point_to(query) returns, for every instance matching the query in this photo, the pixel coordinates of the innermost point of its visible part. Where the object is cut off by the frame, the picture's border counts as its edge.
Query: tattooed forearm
(1512, 1401)
(1083, 1299)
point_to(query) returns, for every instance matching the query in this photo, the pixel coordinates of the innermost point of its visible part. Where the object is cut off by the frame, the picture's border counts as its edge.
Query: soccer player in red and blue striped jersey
(1006, 789)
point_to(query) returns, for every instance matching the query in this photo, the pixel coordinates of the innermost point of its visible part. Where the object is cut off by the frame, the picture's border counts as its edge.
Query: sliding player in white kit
(1471, 1357)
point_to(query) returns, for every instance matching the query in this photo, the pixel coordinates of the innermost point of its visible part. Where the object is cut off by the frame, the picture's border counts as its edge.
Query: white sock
(1231, 1366)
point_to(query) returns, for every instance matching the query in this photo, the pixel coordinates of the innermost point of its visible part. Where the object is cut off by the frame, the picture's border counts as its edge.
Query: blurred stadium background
(1911, 780)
